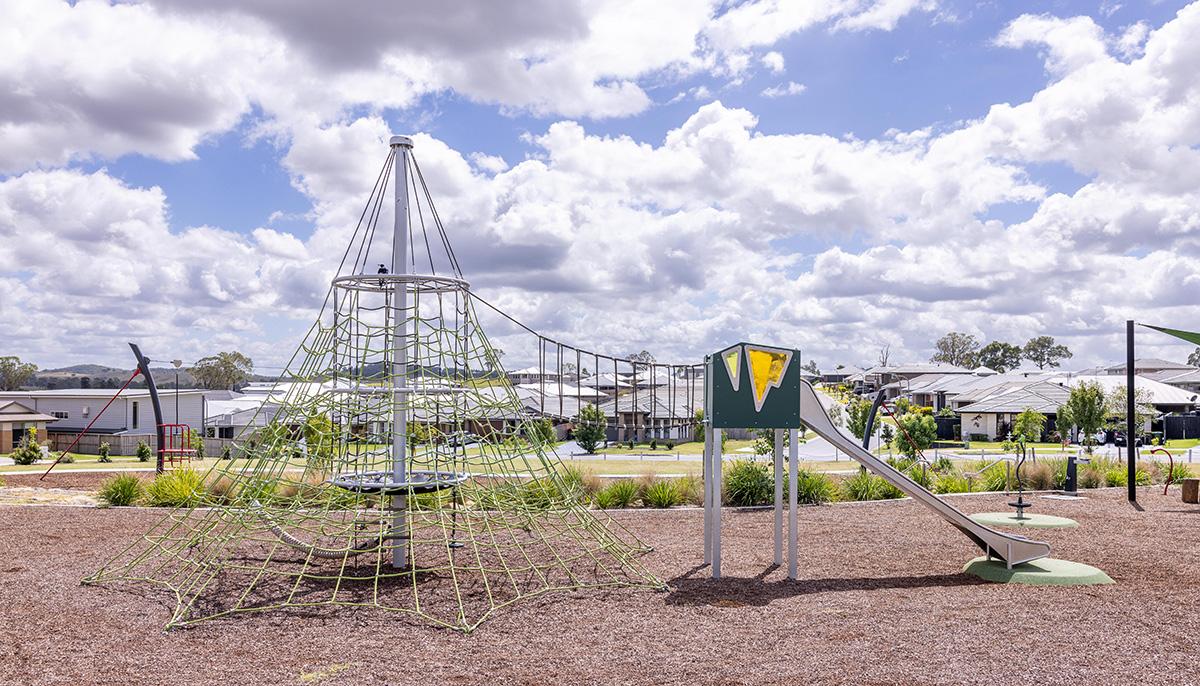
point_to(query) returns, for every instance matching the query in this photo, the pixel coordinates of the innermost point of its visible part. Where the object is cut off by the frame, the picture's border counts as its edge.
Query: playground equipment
(177, 451)
(760, 387)
(350, 495)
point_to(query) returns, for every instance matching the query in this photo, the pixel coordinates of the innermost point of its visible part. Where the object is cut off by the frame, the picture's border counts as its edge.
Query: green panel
(1189, 336)
(776, 388)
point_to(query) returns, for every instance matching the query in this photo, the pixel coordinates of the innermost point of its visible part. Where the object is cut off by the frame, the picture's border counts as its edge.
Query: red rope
(85, 429)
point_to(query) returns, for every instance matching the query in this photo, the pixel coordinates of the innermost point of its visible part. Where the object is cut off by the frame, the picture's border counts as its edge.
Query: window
(135, 414)
(61, 415)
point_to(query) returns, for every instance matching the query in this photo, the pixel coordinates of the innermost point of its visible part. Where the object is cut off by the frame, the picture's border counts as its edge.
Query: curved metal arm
(144, 368)
(871, 419)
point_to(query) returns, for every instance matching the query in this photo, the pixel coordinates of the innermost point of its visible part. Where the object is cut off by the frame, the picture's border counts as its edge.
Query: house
(840, 375)
(989, 411)
(1186, 379)
(15, 421)
(992, 417)
(533, 374)
(128, 420)
(895, 379)
(1143, 366)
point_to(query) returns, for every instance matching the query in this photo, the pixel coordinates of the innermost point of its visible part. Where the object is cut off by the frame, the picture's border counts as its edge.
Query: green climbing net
(314, 511)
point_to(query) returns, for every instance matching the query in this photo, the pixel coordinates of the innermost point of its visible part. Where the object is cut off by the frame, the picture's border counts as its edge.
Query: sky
(666, 175)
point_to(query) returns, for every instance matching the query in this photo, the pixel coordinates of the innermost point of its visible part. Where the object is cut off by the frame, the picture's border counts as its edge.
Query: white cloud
(784, 89)
(773, 61)
(716, 231)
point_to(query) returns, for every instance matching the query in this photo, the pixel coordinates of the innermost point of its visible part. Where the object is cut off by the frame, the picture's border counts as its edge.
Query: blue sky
(266, 129)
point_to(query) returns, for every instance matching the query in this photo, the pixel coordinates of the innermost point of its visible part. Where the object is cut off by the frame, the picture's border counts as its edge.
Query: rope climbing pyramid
(398, 470)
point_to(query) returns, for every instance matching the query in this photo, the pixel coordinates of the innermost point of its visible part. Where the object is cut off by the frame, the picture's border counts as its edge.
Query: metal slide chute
(1011, 548)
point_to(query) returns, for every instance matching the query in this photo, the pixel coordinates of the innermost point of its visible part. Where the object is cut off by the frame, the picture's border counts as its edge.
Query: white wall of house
(80, 410)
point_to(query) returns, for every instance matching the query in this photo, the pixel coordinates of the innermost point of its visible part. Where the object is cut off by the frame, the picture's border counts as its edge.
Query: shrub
(921, 474)
(1091, 477)
(997, 477)
(620, 493)
(1180, 472)
(143, 451)
(942, 465)
(748, 483)
(1058, 467)
(178, 488)
(662, 493)
(1115, 476)
(121, 490)
(27, 451)
(541, 494)
(227, 453)
(66, 458)
(654, 444)
(1037, 476)
(197, 443)
(867, 486)
(691, 489)
(222, 489)
(813, 488)
(670, 445)
(103, 452)
(583, 484)
(952, 482)
(629, 444)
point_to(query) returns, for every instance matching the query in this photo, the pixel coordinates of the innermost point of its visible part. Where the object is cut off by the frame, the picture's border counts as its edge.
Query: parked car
(1119, 439)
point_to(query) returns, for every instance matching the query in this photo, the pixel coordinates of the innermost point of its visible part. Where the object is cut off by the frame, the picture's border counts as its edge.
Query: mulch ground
(881, 600)
(76, 481)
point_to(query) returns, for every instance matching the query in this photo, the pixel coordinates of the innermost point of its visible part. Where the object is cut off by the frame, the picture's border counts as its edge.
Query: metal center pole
(401, 146)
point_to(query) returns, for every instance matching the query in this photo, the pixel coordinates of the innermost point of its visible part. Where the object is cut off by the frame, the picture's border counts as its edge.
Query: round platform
(1044, 572)
(419, 481)
(1030, 521)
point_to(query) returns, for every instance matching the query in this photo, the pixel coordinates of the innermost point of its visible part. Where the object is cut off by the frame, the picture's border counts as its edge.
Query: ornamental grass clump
(813, 488)
(121, 490)
(178, 488)
(662, 494)
(619, 494)
(748, 483)
(1037, 476)
(951, 482)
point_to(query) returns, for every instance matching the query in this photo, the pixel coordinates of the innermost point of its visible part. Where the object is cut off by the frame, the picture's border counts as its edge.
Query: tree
(541, 431)
(1085, 410)
(590, 427)
(811, 367)
(1000, 356)
(919, 432)
(1143, 406)
(1028, 427)
(14, 373)
(1194, 358)
(960, 349)
(886, 435)
(884, 353)
(1043, 352)
(222, 371)
(698, 426)
(857, 412)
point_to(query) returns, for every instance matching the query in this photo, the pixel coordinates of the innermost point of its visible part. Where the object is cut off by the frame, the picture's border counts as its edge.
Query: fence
(126, 444)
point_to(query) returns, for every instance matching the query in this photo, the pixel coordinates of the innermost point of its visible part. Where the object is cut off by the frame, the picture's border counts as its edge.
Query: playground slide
(1011, 548)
